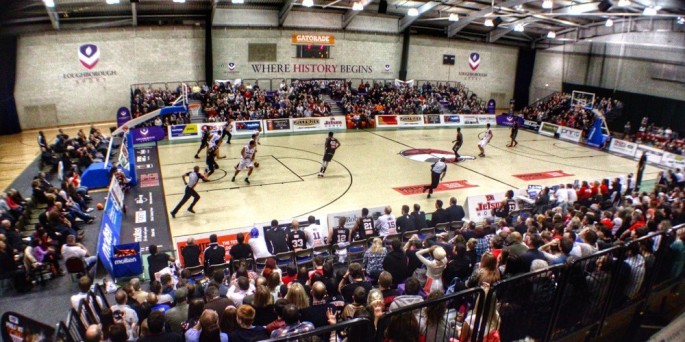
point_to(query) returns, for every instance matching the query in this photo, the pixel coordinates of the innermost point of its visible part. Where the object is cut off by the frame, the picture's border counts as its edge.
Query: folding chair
(220, 267)
(76, 267)
(304, 257)
(283, 259)
(324, 251)
(196, 271)
(356, 251)
(441, 228)
(407, 235)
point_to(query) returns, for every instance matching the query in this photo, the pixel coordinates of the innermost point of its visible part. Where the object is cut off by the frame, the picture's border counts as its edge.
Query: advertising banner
(352, 215)
(486, 119)
(654, 155)
(185, 131)
(469, 120)
(532, 125)
(17, 327)
(432, 119)
(386, 120)
(508, 120)
(333, 122)
(123, 116)
(623, 147)
(306, 124)
(278, 125)
(548, 129)
(452, 120)
(570, 134)
(109, 228)
(479, 207)
(673, 161)
(491, 106)
(409, 120)
(147, 134)
(243, 128)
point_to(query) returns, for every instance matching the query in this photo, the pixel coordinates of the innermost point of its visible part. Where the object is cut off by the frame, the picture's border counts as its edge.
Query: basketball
(100, 206)
(256, 164)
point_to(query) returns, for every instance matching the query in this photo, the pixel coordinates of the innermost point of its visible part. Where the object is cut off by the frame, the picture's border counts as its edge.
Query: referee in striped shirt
(438, 171)
(193, 177)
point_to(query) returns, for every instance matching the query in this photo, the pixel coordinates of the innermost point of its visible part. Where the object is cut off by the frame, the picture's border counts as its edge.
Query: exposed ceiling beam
(285, 11)
(54, 17)
(213, 11)
(454, 28)
(406, 21)
(134, 13)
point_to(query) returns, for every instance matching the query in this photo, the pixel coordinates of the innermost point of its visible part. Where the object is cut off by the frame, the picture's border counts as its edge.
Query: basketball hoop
(194, 108)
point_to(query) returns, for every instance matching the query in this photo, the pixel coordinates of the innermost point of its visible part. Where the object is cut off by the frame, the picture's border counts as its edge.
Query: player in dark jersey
(514, 132)
(340, 234)
(276, 238)
(203, 142)
(331, 145)
(296, 237)
(364, 227)
(457, 144)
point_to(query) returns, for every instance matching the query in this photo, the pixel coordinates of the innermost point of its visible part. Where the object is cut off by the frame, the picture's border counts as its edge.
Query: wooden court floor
(364, 172)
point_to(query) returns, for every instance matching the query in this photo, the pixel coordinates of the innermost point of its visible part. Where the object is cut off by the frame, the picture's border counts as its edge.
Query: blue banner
(147, 134)
(508, 120)
(595, 137)
(109, 231)
(123, 116)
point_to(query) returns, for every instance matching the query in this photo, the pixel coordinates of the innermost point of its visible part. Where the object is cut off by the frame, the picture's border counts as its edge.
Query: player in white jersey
(386, 223)
(247, 162)
(316, 235)
(487, 136)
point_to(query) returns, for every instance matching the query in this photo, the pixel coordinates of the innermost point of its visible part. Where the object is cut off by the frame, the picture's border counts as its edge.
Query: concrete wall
(53, 88)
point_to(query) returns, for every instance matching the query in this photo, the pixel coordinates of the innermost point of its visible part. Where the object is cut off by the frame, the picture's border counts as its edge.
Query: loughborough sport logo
(89, 55)
(474, 60)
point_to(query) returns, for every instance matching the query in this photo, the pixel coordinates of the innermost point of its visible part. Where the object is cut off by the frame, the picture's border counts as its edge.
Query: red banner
(542, 175)
(445, 186)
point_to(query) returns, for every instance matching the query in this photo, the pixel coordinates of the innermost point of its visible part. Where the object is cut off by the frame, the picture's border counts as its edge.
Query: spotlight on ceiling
(413, 12)
(519, 28)
(651, 10)
(623, 3)
(488, 23)
(180, 1)
(680, 20)
(49, 3)
(357, 6)
(551, 34)
(609, 23)
(237, 2)
(547, 4)
(111, 2)
(308, 3)
(454, 17)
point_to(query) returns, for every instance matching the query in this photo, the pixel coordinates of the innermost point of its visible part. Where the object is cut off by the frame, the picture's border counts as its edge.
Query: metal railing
(353, 327)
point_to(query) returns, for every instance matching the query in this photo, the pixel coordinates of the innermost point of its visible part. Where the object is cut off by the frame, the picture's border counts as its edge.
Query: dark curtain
(8, 70)
(209, 58)
(661, 111)
(524, 75)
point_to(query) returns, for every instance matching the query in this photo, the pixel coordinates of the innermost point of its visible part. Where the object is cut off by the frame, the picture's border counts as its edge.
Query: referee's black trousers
(435, 179)
(190, 192)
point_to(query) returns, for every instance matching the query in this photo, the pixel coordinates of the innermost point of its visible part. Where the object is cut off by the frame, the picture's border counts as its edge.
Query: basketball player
(457, 144)
(213, 152)
(331, 145)
(227, 131)
(276, 238)
(438, 172)
(340, 234)
(296, 237)
(203, 141)
(248, 153)
(386, 223)
(487, 136)
(316, 235)
(364, 227)
(514, 132)
(193, 177)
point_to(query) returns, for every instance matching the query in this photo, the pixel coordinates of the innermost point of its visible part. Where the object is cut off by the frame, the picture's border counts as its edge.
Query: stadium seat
(220, 267)
(76, 267)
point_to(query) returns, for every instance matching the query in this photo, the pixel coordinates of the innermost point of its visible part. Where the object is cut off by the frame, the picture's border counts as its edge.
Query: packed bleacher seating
(658, 137)
(146, 99)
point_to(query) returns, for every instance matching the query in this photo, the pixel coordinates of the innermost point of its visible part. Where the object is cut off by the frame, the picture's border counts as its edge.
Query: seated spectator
(358, 304)
(155, 305)
(316, 313)
(84, 284)
(195, 309)
(157, 261)
(410, 296)
(353, 278)
(297, 296)
(93, 333)
(459, 267)
(395, 262)
(374, 257)
(155, 324)
(139, 295)
(433, 324)
(247, 331)
(72, 249)
(403, 328)
(293, 325)
(241, 250)
(238, 291)
(118, 332)
(487, 274)
(214, 254)
(207, 329)
(214, 302)
(179, 313)
(191, 253)
(229, 320)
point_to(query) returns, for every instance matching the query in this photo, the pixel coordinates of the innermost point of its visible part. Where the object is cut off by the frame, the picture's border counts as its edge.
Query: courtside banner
(386, 120)
(623, 147)
(529, 124)
(333, 122)
(432, 120)
(570, 134)
(351, 216)
(451, 120)
(181, 132)
(306, 124)
(508, 120)
(653, 155)
(410, 120)
(225, 238)
(548, 129)
(469, 120)
(278, 126)
(479, 207)
(486, 119)
(673, 161)
(243, 128)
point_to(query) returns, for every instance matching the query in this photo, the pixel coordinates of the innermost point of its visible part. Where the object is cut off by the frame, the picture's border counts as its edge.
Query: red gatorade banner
(444, 186)
(542, 175)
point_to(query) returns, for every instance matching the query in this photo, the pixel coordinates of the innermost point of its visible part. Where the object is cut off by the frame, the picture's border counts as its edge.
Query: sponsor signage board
(278, 125)
(508, 120)
(486, 119)
(469, 120)
(548, 129)
(333, 122)
(185, 131)
(241, 128)
(532, 125)
(386, 120)
(409, 120)
(312, 39)
(147, 134)
(653, 155)
(306, 124)
(570, 134)
(123, 116)
(451, 120)
(623, 147)
(479, 207)
(432, 119)
(673, 161)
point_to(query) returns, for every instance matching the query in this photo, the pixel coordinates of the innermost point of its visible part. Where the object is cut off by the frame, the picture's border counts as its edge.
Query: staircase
(335, 109)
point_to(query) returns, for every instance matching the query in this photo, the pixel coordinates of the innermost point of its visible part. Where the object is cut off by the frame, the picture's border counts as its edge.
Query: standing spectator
(293, 326)
(179, 313)
(122, 313)
(396, 262)
(191, 253)
(353, 278)
(157, 261)
(435, 267)
(637, 270)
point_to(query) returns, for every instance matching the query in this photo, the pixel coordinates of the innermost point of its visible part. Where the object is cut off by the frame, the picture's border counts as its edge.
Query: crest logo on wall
(387, 67)
(231, 66)
(89, 55)
(474, 60)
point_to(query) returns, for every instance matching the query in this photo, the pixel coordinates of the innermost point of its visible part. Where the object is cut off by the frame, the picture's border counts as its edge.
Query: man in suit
(419, 217)
(439, 215)
(405, 223)
(455, 212)
(214, 254)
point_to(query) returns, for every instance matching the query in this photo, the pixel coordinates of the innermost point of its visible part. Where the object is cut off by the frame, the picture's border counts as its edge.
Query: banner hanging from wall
(123, 116)
(147, 134)
(508, 120)
(491, 106)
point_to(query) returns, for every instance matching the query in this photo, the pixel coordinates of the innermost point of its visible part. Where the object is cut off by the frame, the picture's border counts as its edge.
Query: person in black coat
(395, 262)
(419, 217)
(439, 215)
(455, 212)
(214, 254)
(405, 223)
(459, 267)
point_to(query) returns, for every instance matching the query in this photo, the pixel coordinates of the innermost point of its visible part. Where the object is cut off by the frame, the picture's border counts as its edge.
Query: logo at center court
(89, 55)
(474, 60)
(429, 155)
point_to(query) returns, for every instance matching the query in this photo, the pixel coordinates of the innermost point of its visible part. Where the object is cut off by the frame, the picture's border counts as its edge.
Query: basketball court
(371, 168)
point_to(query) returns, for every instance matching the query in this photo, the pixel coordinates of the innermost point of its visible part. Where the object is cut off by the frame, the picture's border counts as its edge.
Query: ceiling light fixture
(651, 10)
(357, 6)
(454, 17)
(623, 3)
(413, 12)
(519, 28)
(237, 2)
(308, 3)
(547, 4)
(488, 23)
(180, 1)
(609, 23)
(551, 34)
(112, 2)
(49, 3)
(680, 20)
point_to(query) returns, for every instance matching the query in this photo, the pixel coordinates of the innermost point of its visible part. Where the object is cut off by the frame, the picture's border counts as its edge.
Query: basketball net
(194, 108)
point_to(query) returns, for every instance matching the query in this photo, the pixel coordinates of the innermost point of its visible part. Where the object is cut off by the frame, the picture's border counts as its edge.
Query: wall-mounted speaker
(383, 7)
(448, 59)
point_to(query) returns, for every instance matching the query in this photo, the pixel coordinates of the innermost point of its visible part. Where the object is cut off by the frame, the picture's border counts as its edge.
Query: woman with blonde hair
(434, 267)
(263, 306)
(373, 258)
(297, 296)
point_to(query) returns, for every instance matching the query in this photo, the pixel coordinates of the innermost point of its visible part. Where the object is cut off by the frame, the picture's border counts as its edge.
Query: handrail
(353, 323)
